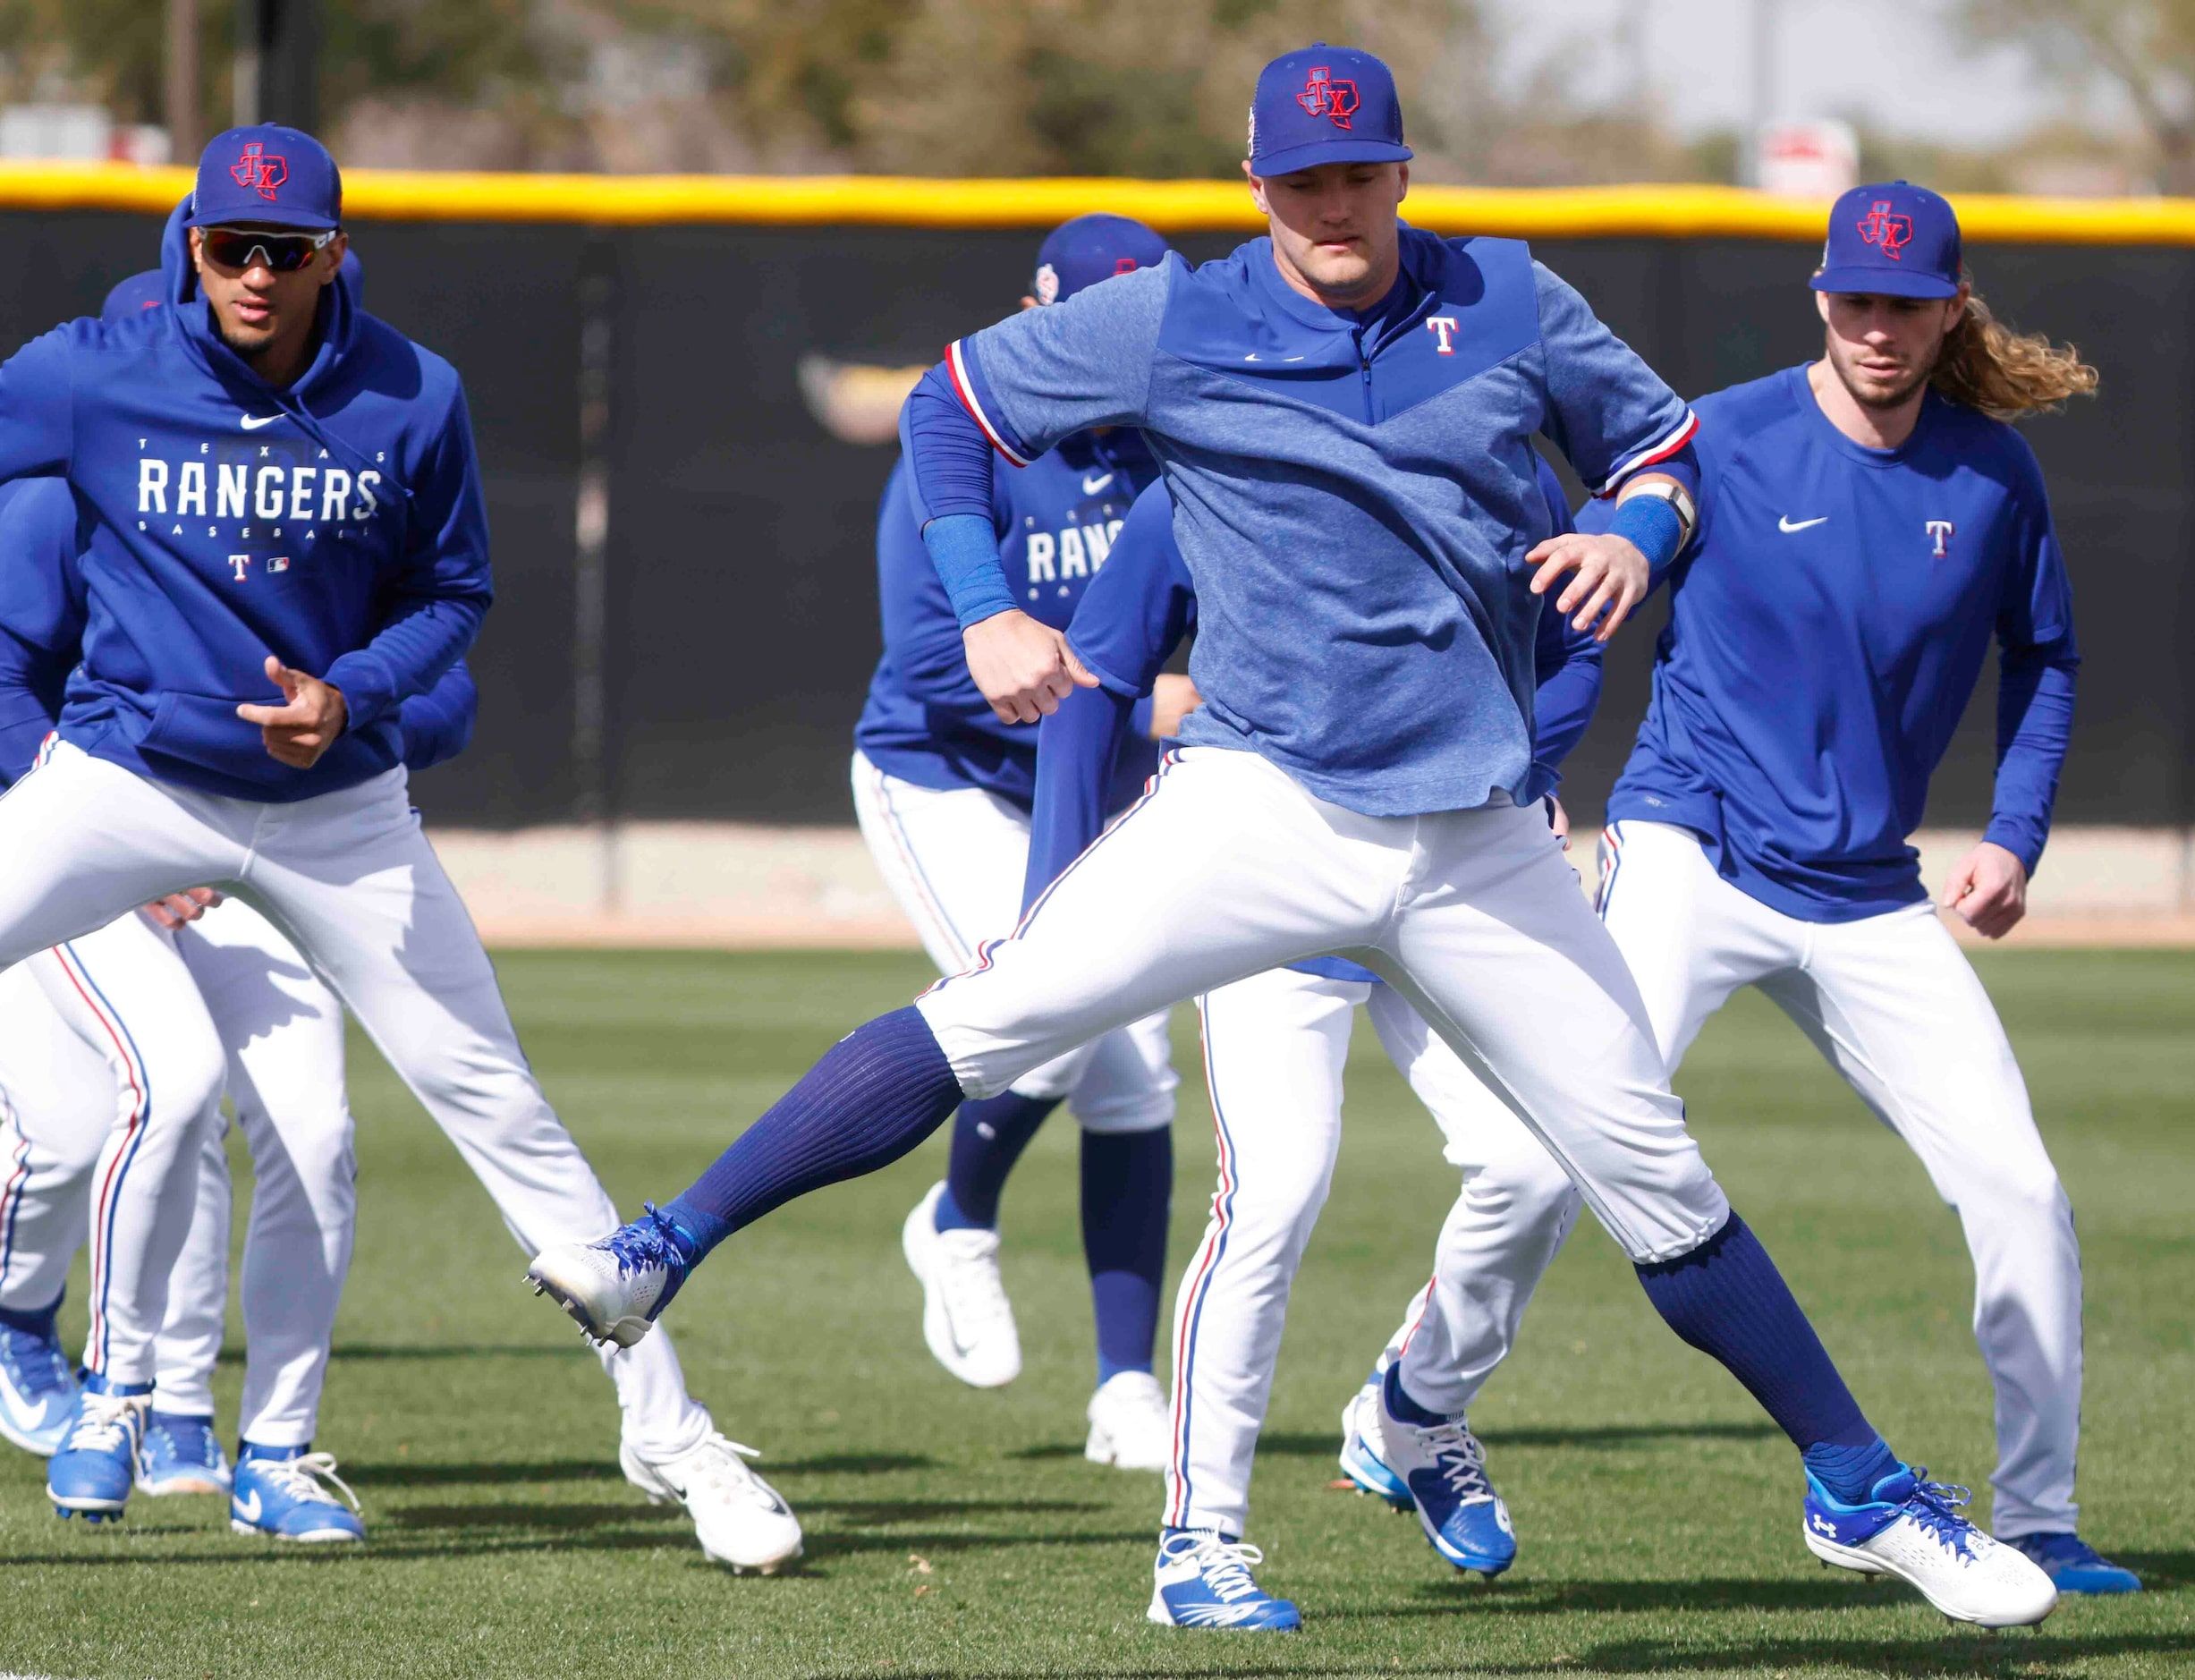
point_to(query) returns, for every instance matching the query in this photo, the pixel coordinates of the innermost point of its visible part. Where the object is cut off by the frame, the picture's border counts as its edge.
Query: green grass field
(956, 1532)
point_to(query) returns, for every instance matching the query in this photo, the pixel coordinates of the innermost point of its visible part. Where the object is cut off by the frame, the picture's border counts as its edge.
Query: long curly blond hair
(1987, 366)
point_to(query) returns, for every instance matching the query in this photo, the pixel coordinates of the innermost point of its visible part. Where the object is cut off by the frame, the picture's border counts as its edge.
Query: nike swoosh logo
(21, 1410)
(1090, 486)
(1785, 526)
(249, 1510)
(252, 422)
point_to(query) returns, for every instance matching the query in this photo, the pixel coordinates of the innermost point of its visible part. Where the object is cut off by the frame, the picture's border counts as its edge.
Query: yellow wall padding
(1172, 206)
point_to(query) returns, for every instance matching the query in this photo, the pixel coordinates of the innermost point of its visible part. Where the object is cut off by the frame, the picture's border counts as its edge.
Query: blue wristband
(1654, 528)
(964, 550)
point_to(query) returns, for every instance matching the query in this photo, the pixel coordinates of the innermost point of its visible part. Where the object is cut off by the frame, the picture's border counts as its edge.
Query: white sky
(1898, 63)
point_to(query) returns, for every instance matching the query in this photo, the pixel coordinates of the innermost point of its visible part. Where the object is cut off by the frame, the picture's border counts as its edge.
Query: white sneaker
(614, 1287)
(1911, 1529)
(741, 1521)
(966, 1318)
(1130, 1425)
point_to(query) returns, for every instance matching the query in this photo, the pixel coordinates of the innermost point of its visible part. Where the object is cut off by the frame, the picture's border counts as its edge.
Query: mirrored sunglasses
(247, 248)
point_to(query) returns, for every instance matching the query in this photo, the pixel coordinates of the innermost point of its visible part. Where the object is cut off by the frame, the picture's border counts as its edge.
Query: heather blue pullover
(336, 524)
(43, 611)
(1353, 494)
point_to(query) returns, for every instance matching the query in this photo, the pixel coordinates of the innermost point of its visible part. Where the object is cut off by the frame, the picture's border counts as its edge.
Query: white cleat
(1130, 1426)
(966, 1318)
(613, 1289)
(741, 1522)
(1912, 1530)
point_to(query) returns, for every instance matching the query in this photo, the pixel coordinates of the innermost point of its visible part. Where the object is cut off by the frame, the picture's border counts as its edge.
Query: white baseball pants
(1275, 1048)
(955, 859)
(280, 1034)
(1896, 1008)
(350, 878)
(1228, 868)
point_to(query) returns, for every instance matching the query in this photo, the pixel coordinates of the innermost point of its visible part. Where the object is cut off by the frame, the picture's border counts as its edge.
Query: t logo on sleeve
(1940, 533)
(1322, 96)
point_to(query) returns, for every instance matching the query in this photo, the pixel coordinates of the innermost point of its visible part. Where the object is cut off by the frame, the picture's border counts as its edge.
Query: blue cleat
(1202, 1580)
(181, 1454)
(2074, 1564)
(1362, 1447)
(38, 1390)
(614, 1287)
(91, 1472)
(1444, 1468)
(1909, 1528)
(279, 1492)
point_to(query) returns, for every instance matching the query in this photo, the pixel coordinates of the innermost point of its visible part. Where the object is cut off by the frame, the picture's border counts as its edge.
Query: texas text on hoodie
(337, 525)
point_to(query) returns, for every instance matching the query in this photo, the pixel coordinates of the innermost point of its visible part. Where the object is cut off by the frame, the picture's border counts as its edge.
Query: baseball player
(285, 541)
(1867, 523)
(942, 787)
(1275, 1047)
(1343, 413)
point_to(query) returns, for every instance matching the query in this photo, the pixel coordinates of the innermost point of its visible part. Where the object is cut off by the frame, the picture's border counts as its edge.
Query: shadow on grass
(2160, 1571)
(1565, 1597)
(834, 1542)
(398, 1474)
(1603, 1438)
(363, 1351)
(513, 1514)
(851, 1464)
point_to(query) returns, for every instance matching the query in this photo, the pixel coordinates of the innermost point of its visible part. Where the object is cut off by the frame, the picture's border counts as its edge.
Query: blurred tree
(2145, 47)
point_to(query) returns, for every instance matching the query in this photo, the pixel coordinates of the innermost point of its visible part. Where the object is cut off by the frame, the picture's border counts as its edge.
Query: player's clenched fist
(1611, 578)
(306, 723)
(1988, 887)
(1024, 668)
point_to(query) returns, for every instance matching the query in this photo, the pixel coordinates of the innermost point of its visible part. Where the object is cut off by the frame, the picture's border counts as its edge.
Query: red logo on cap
(1882, 226)
(258, 173)
(1322, 96)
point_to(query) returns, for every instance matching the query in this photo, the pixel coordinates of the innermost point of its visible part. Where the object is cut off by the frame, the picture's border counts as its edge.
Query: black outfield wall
(739, 627)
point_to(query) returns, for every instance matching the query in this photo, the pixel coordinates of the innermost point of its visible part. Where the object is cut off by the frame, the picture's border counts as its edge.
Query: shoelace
(103, 1426)
(300, 1477)
(644, 1244)
(197, 1454)
(1461, 1460)
(974, 1294)
(1225, 1566)
(719, 1463)
(1935, 1507)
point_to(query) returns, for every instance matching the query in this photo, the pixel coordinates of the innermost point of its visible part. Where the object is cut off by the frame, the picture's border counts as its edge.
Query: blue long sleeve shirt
(1353, 494)
(1129, 625)
(1828, 624)
(336, 524)
(44, 613)
(925, 721)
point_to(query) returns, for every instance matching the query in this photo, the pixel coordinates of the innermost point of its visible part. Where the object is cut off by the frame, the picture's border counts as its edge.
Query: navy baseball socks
(876, 1094)
(1127, 1201)
(1864, 1510)
(988, 1136)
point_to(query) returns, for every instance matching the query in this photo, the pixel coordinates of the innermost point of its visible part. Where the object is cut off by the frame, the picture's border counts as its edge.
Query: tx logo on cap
(1322, 96)
(1882, 226)
(260, 174)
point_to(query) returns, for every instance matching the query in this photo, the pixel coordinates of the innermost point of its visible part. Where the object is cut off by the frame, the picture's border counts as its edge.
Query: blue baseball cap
(1325, 105)
(267, 175)
(1090, 248)
(1895, 240)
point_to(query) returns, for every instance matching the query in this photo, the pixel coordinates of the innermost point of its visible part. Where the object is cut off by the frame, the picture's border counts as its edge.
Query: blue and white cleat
(1362, 1446)
(1444, 1468)
(38, 1390)
(1202, 1580)
(2072, 1565)
(1912, 1530)
(614, 1288)
(279, 1493)
(91, 1472)
(181, 1454)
